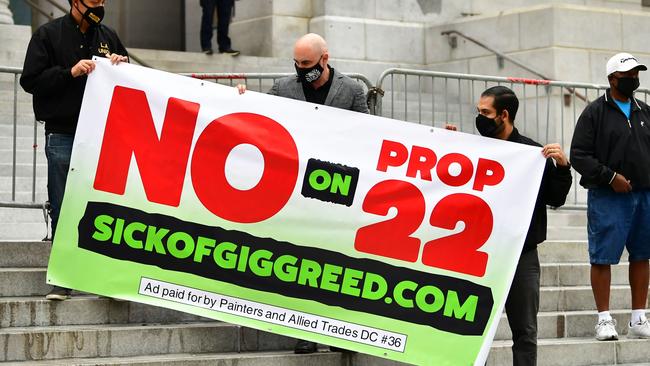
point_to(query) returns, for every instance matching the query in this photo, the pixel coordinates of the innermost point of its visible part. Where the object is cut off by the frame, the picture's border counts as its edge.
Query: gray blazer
(344, 93)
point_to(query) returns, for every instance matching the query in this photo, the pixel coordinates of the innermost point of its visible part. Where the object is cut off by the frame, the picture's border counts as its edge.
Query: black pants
(224, 11)
(522, 306)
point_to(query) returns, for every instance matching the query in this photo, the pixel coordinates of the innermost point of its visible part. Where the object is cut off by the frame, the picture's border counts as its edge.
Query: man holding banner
(57, 63)
(497, 109)
(316, 81)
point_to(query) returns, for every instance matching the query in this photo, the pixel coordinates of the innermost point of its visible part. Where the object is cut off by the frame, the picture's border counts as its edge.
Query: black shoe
(342, 350)
(208, 51)
(230, 52)
(58, 293)
(304, 347)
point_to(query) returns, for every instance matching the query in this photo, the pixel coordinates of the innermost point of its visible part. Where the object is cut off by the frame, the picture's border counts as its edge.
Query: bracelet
(613, 176)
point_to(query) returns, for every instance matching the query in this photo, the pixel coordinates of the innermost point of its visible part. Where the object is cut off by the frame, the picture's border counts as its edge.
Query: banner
(384, 237)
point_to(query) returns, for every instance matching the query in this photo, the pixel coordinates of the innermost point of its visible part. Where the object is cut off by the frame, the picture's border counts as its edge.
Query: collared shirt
(319, 95)
(53, 50)
(606, 141)
(624, 106)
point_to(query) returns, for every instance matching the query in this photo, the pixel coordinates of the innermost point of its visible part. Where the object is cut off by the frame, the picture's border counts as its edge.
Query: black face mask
(627, 86)
(488, 126)
(94, 15)
(309, 74)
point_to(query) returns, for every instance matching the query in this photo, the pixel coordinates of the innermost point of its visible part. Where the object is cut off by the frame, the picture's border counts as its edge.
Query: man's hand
(450, 127)
(555, 151)
(116, 59)
(83, 67)
(620, 184)
(241, 88)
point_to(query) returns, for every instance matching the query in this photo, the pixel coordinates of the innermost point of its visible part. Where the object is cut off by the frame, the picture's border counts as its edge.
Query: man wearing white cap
(611, 150)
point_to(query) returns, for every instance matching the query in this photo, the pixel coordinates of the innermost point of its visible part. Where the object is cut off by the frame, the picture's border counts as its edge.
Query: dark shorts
(617, 221)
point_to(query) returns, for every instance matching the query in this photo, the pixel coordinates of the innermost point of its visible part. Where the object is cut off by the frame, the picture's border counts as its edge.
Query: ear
(326, 57)
(505, 116)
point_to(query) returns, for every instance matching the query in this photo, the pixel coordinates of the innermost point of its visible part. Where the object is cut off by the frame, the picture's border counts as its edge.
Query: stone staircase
(88, 329)
(567, 311)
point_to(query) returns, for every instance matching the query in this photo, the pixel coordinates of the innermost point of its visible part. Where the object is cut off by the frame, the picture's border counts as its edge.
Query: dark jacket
(605, 142)
(553, 190)
(52, 52)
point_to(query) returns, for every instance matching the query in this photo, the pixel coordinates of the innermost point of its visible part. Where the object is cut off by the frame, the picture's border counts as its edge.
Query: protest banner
(389, 238)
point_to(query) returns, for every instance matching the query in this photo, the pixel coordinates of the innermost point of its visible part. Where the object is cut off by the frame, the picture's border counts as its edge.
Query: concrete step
(12, 31)
(24, 184)
(578, 274)
(6, 196)
(576, 298)
(23, 118)
(21, 254)
(21, 282)
(22, 169)
(24, 157)
(570, 324)
(577, 351)
(23, 143)
(18, 216)
(110, 340)
(565, 251)
(566, 218)
(552, 274)
(566, 233)
(22, 129)
(12, 58)
(279, 358)
(26, 231)
(84, 310)
(7, 102)
(30, 281)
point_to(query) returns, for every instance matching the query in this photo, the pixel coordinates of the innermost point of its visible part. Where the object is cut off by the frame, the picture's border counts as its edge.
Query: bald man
(316, 81)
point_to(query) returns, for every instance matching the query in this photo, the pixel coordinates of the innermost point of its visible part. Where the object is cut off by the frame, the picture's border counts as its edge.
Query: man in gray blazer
(316, 81)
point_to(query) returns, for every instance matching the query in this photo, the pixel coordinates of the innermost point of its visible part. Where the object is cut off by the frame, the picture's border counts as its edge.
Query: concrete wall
(564, 42)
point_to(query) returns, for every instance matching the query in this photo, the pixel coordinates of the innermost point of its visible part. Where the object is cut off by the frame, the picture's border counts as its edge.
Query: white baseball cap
(623, 62)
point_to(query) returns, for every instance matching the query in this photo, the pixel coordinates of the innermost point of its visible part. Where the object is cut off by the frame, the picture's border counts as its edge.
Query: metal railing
(547, 113)
(453, 42)
(548, 110)
(262, 82)
(14, 73)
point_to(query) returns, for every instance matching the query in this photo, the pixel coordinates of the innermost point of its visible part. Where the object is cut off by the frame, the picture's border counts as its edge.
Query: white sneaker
(606, 330)
(638, 330)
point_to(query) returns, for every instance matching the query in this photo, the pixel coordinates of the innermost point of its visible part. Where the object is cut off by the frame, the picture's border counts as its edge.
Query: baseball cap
(623, 62)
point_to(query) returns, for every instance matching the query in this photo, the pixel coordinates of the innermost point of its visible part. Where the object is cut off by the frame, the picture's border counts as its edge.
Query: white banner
(371, 225)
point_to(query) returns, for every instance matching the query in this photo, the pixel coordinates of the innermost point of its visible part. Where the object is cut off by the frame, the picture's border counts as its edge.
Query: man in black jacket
(611, 150)
(497, 109)
(55, 71)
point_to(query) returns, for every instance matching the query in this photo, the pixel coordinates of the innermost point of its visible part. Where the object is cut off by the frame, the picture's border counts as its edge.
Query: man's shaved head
(308, 49)
(313, 41)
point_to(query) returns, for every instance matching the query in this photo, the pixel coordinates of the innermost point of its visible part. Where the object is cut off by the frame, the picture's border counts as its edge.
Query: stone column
(5, 13)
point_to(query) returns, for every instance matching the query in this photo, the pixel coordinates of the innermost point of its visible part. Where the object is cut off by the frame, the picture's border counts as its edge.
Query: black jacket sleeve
(41, 75)
(556, 183)
(583, 156)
